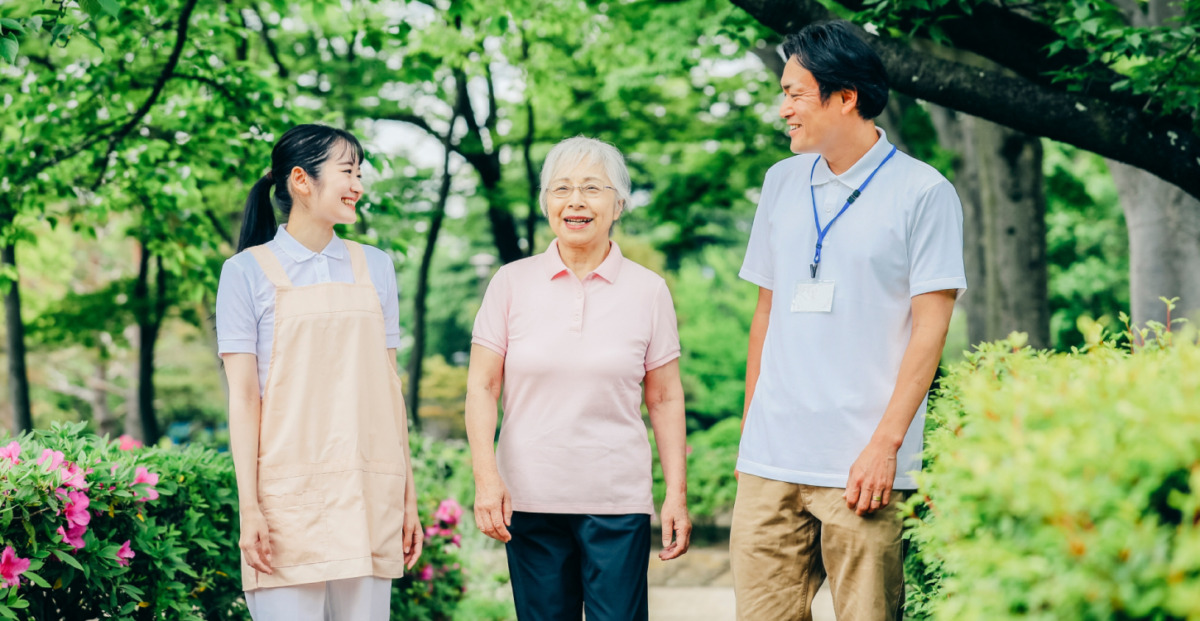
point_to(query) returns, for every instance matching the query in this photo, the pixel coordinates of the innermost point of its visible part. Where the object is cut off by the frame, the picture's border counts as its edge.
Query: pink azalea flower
(426, 573)
(456, 540)
(76, 509)
(73, 535)
(12, 452)
(54, 457)
(124, 554)
(141, 475)
(72, 476)
(11, 567)
(128, 443)
(449, 512)
(431, 532)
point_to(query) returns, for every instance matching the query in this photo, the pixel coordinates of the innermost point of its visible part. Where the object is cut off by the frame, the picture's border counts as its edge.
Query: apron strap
(270, 265)
(358, 260)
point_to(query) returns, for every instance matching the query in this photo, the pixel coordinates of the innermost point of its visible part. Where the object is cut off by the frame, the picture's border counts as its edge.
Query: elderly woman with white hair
(572, 335)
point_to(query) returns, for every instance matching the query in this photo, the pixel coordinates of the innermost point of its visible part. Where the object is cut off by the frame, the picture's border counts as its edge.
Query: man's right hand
(255, 540)
(493, 507)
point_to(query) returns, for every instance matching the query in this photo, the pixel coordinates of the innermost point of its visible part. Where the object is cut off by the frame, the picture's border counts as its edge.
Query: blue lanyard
(853, 197)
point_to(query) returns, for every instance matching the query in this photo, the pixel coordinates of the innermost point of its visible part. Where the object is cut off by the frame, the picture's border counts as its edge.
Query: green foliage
(186, 561)
(1062, 486)
(714, 308)
(1087, 245)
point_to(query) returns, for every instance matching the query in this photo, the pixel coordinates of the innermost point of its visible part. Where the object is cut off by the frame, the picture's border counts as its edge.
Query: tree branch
(1162, 146)
(181, 31)
(271, 48)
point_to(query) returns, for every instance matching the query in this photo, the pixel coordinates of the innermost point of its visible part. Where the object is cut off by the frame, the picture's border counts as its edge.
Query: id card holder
(813, 296)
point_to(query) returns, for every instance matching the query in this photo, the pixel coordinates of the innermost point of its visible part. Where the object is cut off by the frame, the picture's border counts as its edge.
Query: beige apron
(333, 436)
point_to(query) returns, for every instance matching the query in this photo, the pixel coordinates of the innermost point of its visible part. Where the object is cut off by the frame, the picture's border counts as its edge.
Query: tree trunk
(1163, 220)
(149, 320)
(18, 376)
(999, 179)
(416, 358)
(1164, 244)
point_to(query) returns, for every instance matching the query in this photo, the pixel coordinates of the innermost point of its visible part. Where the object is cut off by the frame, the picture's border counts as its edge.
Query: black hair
(839, 60)
(306, 146)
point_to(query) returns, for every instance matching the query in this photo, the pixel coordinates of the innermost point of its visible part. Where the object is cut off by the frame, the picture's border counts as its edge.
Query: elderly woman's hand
(676, 525)
(493, 507)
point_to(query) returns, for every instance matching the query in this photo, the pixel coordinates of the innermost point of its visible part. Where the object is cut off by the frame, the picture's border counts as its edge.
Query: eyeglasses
(589, 190)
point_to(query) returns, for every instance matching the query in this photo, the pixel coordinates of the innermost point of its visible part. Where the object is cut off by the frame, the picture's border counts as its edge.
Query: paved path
(699, 587)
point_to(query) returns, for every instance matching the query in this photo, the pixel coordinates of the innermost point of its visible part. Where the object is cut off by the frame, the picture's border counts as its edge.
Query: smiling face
(579, 220)
(331, 197)
(813, 125)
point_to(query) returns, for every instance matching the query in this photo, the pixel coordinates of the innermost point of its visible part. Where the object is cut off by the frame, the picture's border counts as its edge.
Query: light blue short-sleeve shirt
(826, 378)
(246, 297)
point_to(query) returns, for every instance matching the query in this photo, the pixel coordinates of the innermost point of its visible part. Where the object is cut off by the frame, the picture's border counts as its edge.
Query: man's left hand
(871, 478)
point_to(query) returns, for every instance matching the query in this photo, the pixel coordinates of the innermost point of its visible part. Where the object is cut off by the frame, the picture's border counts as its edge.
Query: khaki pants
(787, 538)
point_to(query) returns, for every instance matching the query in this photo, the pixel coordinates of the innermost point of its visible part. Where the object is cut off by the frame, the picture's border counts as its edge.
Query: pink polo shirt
(575, 352)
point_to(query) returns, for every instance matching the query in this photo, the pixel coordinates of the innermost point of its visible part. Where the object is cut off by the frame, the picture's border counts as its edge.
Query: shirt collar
(336, 248)
(861, 169)
(608, 269)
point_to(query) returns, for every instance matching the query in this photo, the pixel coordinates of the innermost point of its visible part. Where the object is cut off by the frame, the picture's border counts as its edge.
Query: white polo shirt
(246, 297)
(826, 378)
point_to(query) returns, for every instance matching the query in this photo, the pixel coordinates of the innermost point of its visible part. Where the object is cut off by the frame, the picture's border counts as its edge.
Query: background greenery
(132, 131)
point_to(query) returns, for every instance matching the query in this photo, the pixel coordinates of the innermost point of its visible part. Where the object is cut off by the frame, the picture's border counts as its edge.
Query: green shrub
(1062, 486)
(184, 561)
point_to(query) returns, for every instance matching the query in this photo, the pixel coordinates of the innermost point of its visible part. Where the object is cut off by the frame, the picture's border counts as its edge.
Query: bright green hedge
(184, 561)
(1062, 486)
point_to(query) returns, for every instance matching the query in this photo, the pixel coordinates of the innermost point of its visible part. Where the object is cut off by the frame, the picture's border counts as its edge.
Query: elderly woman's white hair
(572, 152)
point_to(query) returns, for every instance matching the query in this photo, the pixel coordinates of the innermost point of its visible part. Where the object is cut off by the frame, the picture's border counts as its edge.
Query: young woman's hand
(255, 540)
(493, 507)
(414, 535)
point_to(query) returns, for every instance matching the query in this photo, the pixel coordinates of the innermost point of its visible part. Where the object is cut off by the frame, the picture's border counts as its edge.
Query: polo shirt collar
(608, 269)
(336, 248)
(861, 169)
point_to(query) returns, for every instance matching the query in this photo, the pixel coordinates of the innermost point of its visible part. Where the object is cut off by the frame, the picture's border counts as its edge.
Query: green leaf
(68, 559)
(12, 24)
(111, 7)
(8, 49)
(36, 579)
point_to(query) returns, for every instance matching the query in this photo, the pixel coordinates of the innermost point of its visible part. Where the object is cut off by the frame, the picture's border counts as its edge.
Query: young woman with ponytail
(308, 325)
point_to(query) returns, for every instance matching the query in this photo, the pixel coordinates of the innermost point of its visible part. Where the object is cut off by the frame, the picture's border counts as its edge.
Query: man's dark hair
(839, 60)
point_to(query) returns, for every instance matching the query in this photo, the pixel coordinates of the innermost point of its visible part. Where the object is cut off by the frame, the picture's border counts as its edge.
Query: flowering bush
(1062, 486)
(96, 529)
(89, 530)
(433, 589)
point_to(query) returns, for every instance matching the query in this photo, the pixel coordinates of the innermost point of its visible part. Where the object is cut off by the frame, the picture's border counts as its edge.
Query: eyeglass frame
(580, 188)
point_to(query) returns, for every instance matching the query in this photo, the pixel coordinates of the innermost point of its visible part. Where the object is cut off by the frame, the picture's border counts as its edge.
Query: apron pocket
(384, 494)
(297, 528)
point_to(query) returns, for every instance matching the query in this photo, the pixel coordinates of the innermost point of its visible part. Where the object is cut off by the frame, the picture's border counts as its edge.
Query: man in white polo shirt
(857, 251)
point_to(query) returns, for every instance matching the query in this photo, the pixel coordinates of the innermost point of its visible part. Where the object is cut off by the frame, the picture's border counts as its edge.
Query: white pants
(353, 599)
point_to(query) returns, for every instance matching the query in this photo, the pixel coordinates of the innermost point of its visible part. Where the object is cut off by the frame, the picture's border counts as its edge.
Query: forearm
(758, 336)
(917, 369)
(244, 417)
(670, 434)
(481, 416)
(410, 486)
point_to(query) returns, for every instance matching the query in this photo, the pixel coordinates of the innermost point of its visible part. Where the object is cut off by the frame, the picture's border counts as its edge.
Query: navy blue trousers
(562, 564)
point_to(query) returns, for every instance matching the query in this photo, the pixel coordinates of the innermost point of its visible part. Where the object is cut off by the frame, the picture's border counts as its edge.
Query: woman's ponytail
(258, 221)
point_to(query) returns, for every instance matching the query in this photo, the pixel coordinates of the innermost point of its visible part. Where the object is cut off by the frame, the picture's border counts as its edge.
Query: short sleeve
(391, 309)
(237, 321)
(664, 330)
(935, 242)
(759, 265)
(491, 322)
